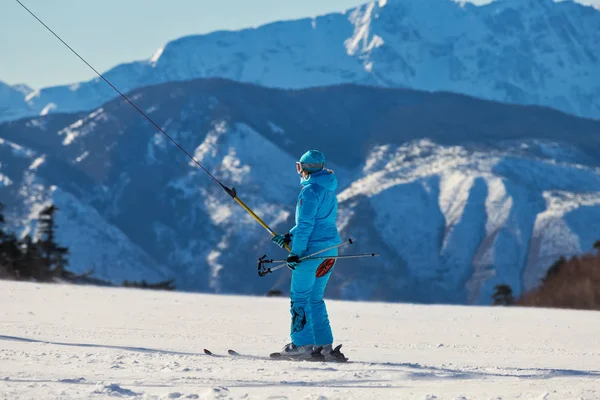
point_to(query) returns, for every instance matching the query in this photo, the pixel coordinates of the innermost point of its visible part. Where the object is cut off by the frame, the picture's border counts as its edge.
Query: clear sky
(109, 32)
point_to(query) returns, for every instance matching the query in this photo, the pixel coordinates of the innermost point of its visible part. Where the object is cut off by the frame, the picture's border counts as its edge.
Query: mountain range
(456, 194)
(535, 52)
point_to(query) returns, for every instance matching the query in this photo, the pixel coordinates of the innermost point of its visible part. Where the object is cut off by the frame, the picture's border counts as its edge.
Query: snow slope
(523, 52)
(86, 342)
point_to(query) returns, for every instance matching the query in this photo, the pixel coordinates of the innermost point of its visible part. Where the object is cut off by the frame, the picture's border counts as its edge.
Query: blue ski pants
(310, 322)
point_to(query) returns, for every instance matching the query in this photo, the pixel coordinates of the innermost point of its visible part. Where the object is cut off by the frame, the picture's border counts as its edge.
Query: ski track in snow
(76, 342)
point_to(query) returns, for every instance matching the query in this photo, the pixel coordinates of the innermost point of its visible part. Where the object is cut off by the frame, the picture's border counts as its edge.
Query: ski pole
(324, 258)
(349, 241)
(319, 258)
(262, 271)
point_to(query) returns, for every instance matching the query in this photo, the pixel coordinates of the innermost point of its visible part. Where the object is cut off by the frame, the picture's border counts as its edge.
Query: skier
(315, 229)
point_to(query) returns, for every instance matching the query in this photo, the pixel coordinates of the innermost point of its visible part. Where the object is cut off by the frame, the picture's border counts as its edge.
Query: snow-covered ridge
(94, 242)
(12, 102)
(16, 150)
(482, 211)
(523, 52)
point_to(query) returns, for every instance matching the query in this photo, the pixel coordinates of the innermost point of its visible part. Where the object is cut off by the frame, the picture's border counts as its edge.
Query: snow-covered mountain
(464, 221)
(23, 88)
(455, 193)
(26, 181)
(523, 52)
(12, 102)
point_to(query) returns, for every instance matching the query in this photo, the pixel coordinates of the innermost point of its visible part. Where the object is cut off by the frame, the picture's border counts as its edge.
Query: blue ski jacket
(316, 213)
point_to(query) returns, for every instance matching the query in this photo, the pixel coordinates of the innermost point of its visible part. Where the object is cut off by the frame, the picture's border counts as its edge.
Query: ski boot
(331, 354)
(292, 352)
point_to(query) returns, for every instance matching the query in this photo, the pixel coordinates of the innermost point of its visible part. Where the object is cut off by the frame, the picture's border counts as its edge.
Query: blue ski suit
(315, 229)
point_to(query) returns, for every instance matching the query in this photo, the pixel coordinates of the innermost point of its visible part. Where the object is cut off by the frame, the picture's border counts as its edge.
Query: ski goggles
(305, 166)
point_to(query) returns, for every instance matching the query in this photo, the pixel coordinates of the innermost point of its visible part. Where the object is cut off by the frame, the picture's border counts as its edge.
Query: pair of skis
(316, 356)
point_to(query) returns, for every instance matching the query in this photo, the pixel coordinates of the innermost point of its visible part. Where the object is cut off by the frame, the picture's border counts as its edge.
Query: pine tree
(9, 251)
(32, 261)
(2, 221)
(10, 254)
(54, 257)
(5, 267)
(503, 296)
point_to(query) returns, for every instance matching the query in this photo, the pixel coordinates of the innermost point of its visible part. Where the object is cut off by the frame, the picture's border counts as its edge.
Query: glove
(282, 240)
(292, 260)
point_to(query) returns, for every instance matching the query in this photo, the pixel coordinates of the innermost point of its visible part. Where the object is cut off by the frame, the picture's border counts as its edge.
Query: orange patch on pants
(325, 267)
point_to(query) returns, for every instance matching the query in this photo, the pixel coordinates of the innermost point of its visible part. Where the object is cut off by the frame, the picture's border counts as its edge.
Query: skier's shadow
(420, 371)
(105, 346)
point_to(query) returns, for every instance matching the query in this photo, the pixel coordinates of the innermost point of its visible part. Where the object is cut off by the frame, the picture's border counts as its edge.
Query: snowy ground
(87, 342)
